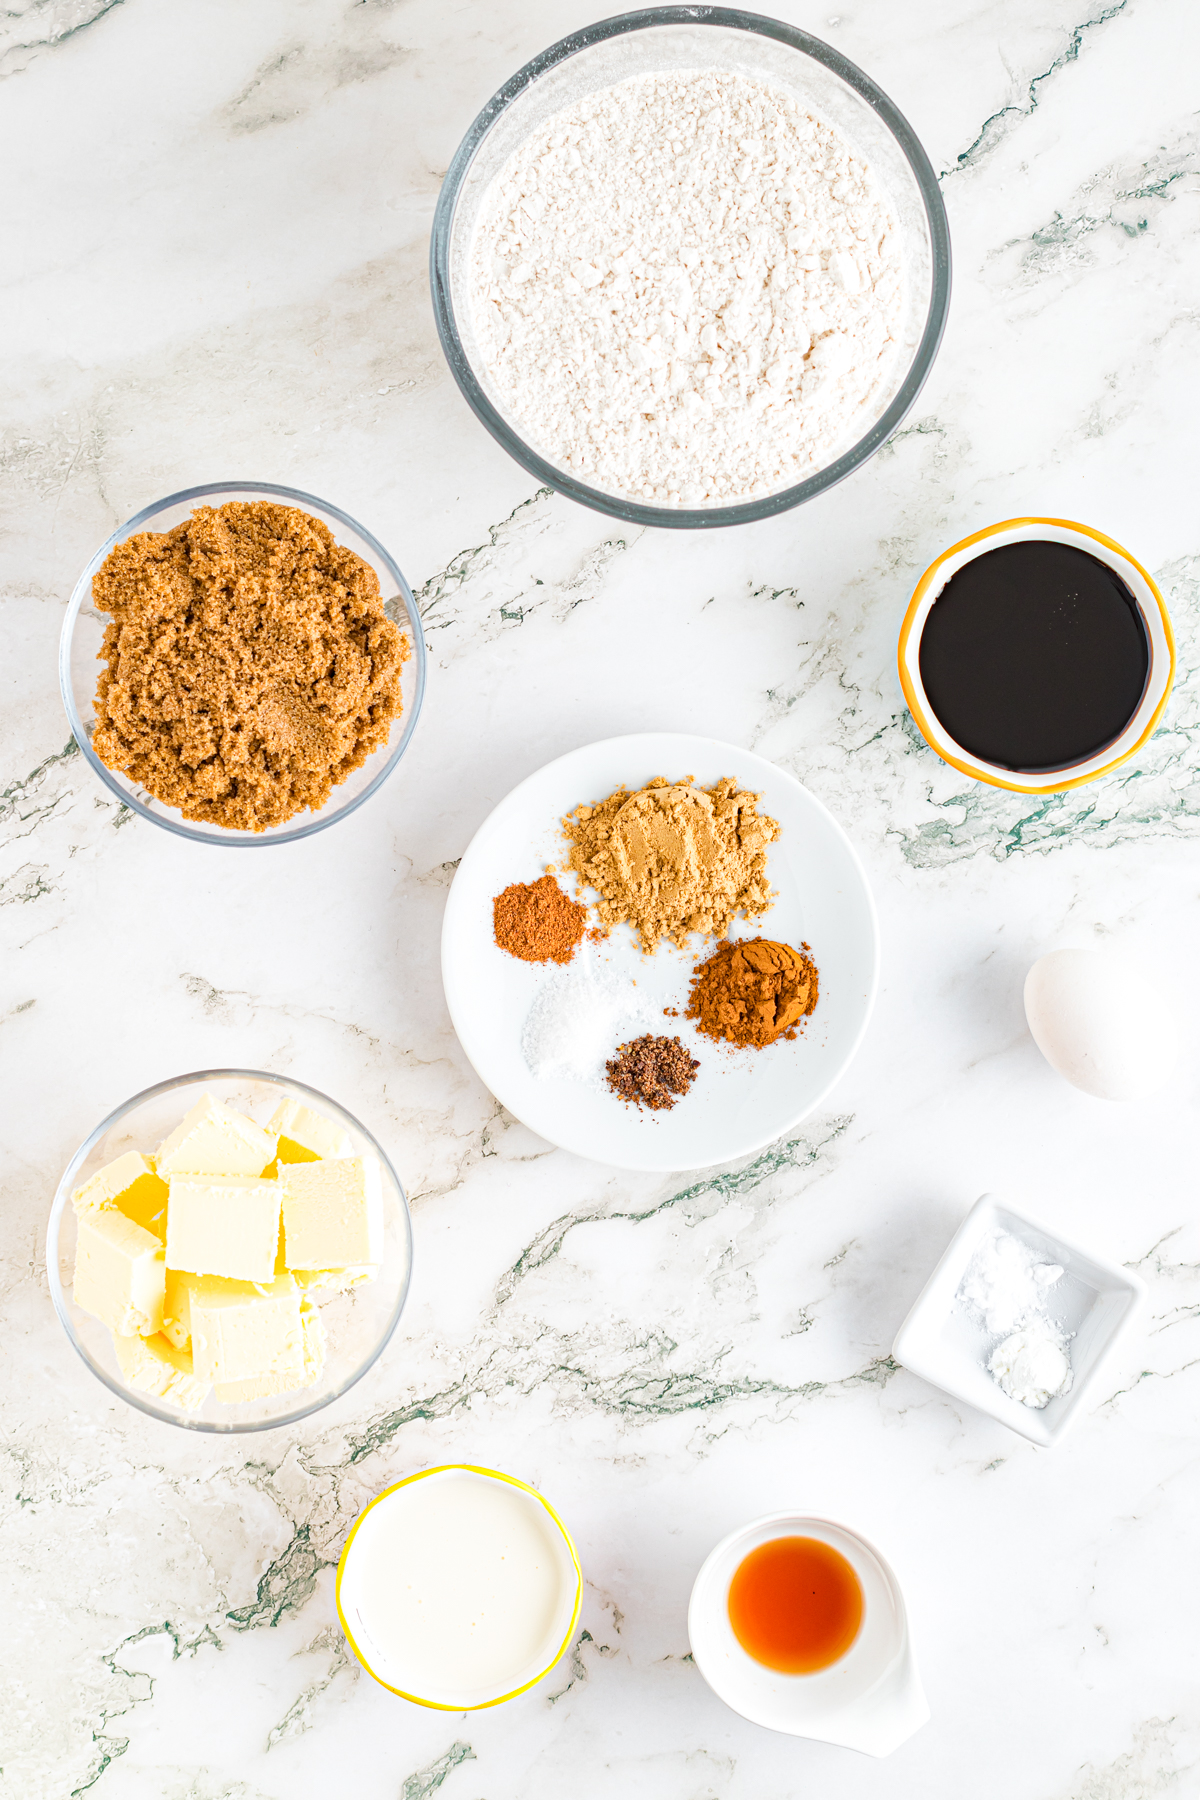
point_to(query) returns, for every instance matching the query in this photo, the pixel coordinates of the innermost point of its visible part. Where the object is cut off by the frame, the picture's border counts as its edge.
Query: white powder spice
(578, 1017)
(687, 290)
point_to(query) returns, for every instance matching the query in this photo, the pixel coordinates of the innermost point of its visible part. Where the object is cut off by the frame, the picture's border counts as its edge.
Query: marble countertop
(214, 267)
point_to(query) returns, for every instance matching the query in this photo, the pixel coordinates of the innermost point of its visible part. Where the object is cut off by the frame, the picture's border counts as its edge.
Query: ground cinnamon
(754, 992)
(537, 922)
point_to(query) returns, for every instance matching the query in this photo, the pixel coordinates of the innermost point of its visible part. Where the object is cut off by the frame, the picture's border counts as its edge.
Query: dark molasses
(1034, 656)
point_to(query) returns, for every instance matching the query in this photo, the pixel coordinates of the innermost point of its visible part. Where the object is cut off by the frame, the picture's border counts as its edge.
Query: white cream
(457, 1585)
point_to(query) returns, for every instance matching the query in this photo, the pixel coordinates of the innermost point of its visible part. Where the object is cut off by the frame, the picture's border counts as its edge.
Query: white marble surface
(214, 265)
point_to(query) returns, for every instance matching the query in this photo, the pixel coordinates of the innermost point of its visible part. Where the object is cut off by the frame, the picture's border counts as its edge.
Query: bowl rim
(331, 812)
(62, 1197)
(935, 733)
(767, 506)
(493, 1475)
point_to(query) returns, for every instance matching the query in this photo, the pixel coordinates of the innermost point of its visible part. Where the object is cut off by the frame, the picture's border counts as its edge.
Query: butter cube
(339, 1281)
(130, 1184)
(120, 1274)
(304, 1135)
(214, 1140)
(159, 1368)
(332, 1213)
(260, 1387)
(177, 1307)
(223, 1225)
(240, 1330)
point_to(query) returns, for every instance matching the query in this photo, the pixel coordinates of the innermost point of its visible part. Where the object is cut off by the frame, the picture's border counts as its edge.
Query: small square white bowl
(1095, 1302)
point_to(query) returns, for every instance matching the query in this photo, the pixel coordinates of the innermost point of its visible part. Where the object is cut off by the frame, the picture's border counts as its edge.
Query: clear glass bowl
(83, 634)
(357, 1324)
(697, 37)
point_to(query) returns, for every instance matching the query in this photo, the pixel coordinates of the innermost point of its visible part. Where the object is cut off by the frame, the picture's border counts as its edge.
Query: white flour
(685, 289)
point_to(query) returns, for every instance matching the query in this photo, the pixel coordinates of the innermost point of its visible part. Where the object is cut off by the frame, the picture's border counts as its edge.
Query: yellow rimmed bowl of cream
(459, 1588)
(1036, 655)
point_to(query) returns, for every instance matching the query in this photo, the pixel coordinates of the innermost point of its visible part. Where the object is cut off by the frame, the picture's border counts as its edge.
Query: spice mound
(578, 1013)
(651, 1071)
(537, 922)
(753, 993)
(672, 858)
(250, 664)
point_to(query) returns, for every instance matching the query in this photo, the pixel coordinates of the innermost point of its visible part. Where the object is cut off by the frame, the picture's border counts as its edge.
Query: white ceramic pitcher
(871, 1699)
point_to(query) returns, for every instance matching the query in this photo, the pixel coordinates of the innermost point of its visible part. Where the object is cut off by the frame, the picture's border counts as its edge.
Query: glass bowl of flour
(690, 267)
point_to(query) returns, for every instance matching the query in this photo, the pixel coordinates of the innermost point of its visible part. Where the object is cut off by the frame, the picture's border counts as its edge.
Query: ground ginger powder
(250, 664)
(673, 858)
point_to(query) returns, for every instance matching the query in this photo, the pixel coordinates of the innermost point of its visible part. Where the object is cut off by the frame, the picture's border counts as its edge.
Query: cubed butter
(241, 1331)
(223, 1225)
(261, 1387)
(339, 1281)
(332, 1213)
(214, 1140)
(130, 1184)
(159, 1368)
(120, 1274)
(177, 1307)
(304, 1134)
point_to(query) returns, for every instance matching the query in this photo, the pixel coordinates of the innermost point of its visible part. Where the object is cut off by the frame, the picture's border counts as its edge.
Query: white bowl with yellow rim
(459, 1588)
(1159, 637)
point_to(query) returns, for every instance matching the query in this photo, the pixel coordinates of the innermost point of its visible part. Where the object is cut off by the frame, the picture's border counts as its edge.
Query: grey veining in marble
(214, 266)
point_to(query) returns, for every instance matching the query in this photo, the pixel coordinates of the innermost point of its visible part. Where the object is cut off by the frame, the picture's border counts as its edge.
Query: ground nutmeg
(651, 1071)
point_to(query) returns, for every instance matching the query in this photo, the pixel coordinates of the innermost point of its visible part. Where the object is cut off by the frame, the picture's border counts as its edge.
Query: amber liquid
(795, 1605)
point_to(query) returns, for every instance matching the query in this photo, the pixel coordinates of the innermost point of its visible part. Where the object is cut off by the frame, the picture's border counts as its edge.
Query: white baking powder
(1006, 1283)
(1032, 1366)
(686, 290)
(1005, 1289)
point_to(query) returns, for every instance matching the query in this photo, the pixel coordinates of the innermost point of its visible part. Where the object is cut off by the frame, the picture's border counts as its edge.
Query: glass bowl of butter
(229, 1251)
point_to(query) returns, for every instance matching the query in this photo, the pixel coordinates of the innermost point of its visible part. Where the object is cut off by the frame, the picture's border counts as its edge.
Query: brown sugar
(673, 858)
(250, 664)
(655, 1072)
(537, 922)
(753, 992)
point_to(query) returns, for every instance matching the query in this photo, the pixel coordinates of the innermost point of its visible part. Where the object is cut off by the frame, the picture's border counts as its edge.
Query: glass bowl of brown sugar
(352, 781)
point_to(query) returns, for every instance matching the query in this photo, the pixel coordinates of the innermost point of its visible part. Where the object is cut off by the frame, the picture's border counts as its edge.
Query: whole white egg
(1100, 1023)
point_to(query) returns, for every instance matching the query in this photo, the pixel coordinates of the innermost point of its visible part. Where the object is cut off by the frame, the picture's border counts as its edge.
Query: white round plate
(740, 1099)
